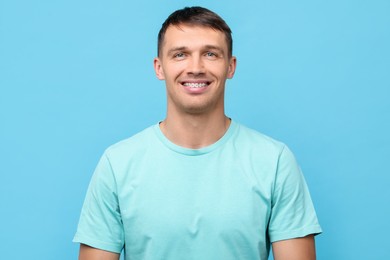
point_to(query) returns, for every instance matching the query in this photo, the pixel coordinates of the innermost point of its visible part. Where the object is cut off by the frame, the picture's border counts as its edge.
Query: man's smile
(195, 83)
(195, 86)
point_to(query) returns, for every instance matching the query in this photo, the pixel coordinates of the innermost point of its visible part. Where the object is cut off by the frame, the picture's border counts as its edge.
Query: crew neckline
(194, 152)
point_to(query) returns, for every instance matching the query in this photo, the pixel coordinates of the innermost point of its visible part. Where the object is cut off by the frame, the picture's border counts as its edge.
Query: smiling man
(197, 185)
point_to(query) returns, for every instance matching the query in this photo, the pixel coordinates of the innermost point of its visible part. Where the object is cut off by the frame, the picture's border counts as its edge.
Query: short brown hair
(199, 16)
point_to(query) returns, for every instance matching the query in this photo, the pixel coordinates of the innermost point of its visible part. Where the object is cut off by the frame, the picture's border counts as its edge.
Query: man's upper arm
(295, 249)
(91, 253)
(100, 224)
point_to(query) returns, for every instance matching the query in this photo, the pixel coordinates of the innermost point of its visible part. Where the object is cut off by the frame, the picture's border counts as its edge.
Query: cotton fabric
(230, 200)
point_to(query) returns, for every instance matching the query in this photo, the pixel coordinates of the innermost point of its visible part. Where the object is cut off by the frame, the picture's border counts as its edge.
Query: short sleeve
(100, 223)
(292, 213)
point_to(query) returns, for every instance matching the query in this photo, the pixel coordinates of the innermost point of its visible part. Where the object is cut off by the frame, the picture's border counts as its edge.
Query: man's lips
(195, 83)
(195, 86)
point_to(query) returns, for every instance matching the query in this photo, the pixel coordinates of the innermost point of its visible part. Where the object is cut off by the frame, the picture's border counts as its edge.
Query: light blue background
(77, 76)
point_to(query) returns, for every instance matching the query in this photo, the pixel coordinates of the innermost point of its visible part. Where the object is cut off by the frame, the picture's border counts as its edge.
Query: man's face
(194, 62)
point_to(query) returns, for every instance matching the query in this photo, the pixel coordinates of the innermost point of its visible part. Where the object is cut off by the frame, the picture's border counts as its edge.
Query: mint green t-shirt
(229, 200)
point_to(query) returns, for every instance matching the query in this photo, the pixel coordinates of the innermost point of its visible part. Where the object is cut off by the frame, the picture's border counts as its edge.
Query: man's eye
(211, 54)
(179, 55)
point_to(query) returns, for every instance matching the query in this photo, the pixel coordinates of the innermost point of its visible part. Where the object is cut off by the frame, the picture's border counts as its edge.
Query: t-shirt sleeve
(292, 213)
(100, 223)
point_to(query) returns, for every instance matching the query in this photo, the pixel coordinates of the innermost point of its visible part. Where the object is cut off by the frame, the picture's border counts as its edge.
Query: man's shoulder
(259, 140)
(133, 143)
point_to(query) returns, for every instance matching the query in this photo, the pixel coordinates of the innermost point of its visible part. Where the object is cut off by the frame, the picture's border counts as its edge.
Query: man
(197, 185)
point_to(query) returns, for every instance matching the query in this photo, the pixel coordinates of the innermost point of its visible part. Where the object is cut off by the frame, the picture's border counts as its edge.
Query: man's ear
(232, 67)
(158, 68)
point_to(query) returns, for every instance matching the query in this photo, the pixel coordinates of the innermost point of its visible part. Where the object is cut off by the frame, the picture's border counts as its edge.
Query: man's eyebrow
(175, 49)
(213, 47)
(206, 47)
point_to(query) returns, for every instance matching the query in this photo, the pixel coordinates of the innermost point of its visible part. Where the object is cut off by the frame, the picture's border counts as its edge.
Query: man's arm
(90, 253)
(295, 249)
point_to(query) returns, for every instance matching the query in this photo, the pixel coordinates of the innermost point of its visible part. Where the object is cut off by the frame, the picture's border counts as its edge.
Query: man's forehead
(174, 32)
(186, 27)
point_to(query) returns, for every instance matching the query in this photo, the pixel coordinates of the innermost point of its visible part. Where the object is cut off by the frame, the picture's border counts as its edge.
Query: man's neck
(195, 131)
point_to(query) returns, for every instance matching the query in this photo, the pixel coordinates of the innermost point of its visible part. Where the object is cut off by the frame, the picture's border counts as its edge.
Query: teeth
(195, 85)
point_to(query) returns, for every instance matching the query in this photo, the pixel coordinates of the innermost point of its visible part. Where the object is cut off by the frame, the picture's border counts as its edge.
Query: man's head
(195, 60)
(196, 16)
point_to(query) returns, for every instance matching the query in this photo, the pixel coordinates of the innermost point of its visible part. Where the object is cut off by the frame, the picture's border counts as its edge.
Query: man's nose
(196, 66)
